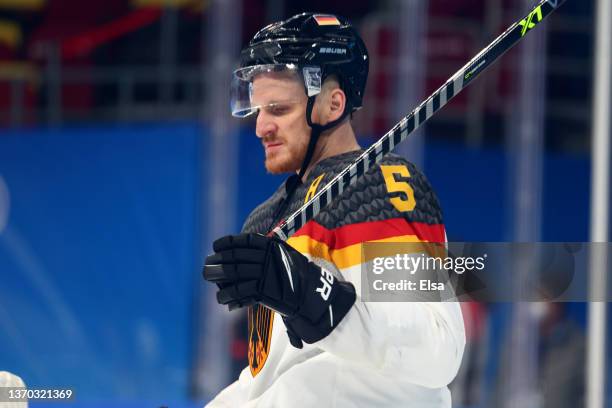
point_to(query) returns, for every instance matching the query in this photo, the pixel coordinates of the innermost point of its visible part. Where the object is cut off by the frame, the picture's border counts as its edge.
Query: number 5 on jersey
(393, 176)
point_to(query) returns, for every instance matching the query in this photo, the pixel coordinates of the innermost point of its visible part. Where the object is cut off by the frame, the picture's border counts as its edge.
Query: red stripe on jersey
(346, 235)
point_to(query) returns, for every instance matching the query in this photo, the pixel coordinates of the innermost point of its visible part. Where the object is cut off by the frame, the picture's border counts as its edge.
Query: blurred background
(120, 163)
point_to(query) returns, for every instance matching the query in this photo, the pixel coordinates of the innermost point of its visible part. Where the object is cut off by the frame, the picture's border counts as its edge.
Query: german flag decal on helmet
(326, 19)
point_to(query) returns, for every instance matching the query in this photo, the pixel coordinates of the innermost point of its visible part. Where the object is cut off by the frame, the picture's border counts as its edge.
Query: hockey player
(312, 341)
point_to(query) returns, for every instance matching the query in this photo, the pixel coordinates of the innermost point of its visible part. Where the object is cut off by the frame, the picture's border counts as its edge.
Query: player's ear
(337, 102)
(330, 103)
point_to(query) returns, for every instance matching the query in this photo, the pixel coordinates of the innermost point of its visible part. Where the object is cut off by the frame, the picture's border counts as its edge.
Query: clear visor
(270, 85)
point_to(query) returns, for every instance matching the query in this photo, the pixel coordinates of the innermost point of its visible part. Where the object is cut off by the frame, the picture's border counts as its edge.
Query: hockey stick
(374, 154)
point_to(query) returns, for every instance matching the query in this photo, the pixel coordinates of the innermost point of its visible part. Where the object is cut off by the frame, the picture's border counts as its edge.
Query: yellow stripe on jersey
(352, 254)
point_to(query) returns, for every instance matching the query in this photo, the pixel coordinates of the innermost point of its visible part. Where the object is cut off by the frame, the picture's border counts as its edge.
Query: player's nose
(264, 126)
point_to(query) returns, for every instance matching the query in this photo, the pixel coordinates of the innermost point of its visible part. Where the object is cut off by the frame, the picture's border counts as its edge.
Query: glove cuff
(311, 332)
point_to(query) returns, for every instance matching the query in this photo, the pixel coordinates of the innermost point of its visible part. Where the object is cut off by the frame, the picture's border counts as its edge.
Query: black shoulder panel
(367, 200)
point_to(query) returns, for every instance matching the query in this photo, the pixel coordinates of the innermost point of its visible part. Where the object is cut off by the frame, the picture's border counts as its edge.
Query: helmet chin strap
(295, 180)
(316, 133)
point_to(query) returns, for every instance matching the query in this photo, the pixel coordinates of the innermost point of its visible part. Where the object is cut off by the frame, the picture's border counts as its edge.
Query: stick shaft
(455, 84)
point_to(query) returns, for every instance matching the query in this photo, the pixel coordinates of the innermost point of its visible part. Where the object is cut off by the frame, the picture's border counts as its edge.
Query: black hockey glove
(252, 268)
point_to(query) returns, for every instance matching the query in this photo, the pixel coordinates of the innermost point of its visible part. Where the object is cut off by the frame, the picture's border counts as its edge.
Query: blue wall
(100, 257)
(472, 187)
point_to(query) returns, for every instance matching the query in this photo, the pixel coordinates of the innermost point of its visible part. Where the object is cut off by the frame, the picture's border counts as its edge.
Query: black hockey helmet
(312, 45)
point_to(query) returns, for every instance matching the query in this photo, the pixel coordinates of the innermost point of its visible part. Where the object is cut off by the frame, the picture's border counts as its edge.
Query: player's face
(281, 122)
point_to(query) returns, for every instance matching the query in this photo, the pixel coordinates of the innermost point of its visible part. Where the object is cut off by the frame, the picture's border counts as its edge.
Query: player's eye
(278, 109)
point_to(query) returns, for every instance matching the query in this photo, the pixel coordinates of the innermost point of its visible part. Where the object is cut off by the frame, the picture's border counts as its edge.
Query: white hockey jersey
(382, 354)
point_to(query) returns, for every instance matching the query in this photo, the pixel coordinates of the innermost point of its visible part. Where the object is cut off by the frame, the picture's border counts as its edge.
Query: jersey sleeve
(422, 341)
(235, 394)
